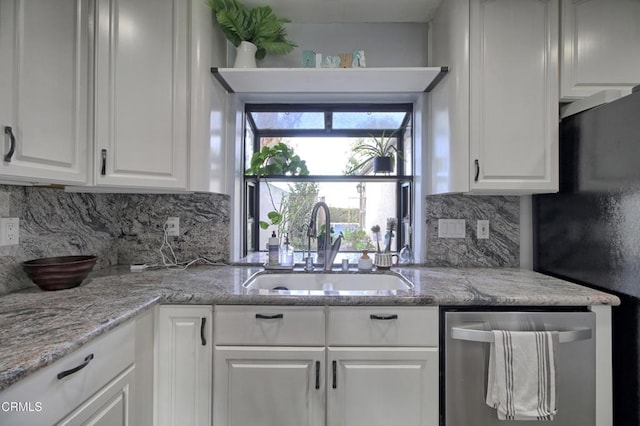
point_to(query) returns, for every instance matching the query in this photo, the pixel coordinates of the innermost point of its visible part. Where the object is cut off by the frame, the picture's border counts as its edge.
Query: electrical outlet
(483, 229)
(9, 231)
(451, 228)
(173, 226)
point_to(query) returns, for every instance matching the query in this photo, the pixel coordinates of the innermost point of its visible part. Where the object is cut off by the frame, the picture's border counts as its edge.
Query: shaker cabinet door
(44, 90)
(514, 96)
(269, 386)
(599, 46)
(141, 103)
(183, 366)
(382, 386)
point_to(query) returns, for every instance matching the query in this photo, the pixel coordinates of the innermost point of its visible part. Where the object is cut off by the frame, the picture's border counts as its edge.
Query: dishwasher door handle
(473, 334)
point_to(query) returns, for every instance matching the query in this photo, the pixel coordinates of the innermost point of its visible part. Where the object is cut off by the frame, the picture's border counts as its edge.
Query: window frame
(404, 182)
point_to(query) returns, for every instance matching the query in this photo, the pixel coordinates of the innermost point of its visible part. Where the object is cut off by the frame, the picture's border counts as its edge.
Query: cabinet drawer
(269, 325)
(383, 326)
(51, 398)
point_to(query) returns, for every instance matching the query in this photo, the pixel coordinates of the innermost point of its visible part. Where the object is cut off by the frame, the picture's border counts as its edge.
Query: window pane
(332, 156)
(288, 120)
(407, 155)
(248, 146)
(354, 209)
(368, 120)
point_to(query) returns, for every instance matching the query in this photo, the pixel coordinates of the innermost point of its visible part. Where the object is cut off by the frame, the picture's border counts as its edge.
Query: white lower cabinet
(93, 385)
(384, 366)
(348, 366)
(378, 386)
(109, 407)
(269, 386)
(183, 365)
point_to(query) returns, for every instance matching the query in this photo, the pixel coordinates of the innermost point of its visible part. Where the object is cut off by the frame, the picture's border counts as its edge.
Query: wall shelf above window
(329, 80)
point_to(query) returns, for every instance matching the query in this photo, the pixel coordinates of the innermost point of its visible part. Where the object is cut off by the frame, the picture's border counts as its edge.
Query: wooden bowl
(59, 273)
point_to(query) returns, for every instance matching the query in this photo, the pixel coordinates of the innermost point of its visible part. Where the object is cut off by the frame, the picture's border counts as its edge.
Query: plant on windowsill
(276, 160)
(258, 26)
(378, 153)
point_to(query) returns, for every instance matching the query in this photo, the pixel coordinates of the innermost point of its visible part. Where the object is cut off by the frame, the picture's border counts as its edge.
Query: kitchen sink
(328, 283)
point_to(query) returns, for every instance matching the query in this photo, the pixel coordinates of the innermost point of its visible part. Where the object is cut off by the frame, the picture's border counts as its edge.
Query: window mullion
(328, 121)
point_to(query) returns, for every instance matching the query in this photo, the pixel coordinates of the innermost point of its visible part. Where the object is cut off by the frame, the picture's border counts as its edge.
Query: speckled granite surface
(502, 250)
(37, 328)
(118, 228)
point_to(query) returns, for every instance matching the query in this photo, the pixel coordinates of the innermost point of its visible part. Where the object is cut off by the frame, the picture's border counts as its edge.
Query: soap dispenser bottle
(365, 263)
(274, 250)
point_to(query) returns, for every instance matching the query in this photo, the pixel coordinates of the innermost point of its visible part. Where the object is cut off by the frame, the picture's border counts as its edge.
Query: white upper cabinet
(494, 117)
(514, 96)
(599, 46)
(44, 97)
(141, 93)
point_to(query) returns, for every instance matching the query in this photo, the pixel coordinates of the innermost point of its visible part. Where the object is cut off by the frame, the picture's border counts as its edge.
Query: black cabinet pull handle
(475, 179)
(202, 336)
(334, 373)
(103, 168)
(12, 148)
(269, 316)
(317, 374)
(383, 317)
(66, 373)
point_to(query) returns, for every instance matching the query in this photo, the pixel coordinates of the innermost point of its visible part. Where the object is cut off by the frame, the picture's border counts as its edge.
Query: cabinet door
(514, 96)
(269, 386)
(110, 406)
(55, 391)
(183, 368)
(382, 386)
(141, 93)
(44, 73)
(599, 46)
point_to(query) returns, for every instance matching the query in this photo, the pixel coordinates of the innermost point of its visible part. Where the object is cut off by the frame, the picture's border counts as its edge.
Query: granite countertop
(37, 327)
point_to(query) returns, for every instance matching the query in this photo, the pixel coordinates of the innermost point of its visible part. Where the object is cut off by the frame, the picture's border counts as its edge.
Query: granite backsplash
(127, 228)
(502, 249)
(118, 228)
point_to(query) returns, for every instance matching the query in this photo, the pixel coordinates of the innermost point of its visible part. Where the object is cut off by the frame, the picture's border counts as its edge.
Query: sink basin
(328, 282)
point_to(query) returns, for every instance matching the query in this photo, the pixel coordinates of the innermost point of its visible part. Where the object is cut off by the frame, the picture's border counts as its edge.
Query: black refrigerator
(589, 232)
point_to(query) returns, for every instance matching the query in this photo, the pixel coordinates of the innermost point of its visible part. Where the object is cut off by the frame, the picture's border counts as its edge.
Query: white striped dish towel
(523, 375)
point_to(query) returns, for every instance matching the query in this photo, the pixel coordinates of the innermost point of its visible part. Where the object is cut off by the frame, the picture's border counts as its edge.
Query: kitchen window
(335, 141)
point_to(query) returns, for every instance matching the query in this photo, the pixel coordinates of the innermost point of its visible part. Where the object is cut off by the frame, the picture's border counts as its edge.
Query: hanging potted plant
(255, 32)
(279, 160)
(377, 153)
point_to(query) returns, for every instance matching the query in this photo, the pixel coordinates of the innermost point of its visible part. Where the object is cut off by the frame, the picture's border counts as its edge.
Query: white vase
(245, 55)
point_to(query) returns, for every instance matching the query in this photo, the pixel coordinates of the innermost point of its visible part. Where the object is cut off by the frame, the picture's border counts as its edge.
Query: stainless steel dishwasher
(467, 339)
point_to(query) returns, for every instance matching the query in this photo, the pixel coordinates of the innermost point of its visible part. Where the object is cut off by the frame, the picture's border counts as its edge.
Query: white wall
(385, 45)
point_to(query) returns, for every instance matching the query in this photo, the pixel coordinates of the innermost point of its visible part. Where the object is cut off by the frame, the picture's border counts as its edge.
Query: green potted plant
(278, 159)
(254, 31)
(377, 152)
